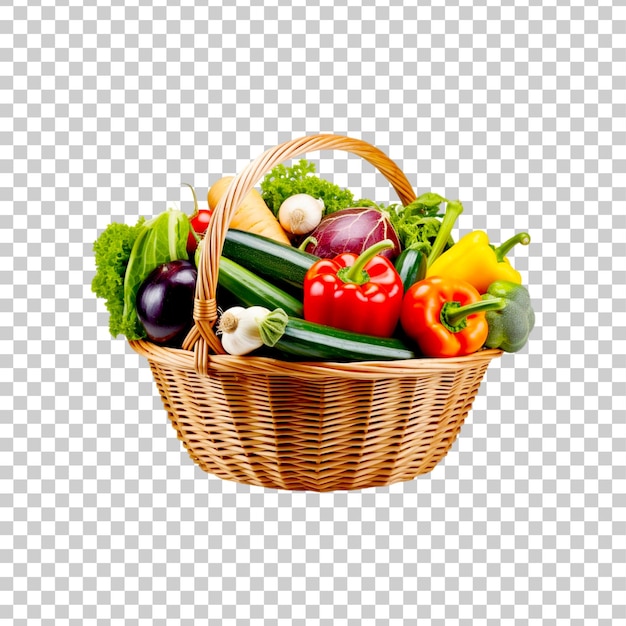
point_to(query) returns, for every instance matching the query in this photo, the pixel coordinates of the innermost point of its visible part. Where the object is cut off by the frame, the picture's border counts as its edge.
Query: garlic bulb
(243, 330)
(239, 328)
(301, 213)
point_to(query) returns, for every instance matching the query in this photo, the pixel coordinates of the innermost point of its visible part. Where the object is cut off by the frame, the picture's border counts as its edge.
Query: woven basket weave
(307, 426)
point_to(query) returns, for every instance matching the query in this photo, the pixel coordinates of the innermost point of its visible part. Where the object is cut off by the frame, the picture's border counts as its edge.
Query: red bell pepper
(362, 293)
(446, 316)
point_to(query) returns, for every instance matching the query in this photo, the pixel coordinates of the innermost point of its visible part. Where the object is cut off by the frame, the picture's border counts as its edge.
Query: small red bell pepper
(362, 293)
(446, 317)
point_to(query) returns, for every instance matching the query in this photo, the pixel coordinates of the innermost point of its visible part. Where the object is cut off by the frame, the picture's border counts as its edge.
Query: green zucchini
(267, 258)
(314, 342)
(411, 265)
(252, 290)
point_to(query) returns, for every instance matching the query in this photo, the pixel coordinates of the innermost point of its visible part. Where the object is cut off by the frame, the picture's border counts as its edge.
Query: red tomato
(199, 222)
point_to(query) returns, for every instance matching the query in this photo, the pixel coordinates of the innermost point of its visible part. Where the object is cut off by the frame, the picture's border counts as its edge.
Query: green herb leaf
(430, 200)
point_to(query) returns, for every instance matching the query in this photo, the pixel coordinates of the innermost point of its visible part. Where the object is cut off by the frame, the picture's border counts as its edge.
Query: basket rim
(248, 365)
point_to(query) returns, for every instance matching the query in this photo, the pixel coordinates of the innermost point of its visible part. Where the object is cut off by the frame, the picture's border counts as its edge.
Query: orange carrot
(253, 215)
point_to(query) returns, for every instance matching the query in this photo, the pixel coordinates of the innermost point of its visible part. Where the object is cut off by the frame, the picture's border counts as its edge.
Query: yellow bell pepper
(474, 260)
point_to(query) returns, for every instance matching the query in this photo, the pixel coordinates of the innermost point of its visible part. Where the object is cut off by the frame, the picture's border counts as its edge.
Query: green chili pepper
(509, 327)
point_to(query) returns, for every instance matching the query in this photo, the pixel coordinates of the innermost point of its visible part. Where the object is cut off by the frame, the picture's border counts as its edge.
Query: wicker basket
(307, 426)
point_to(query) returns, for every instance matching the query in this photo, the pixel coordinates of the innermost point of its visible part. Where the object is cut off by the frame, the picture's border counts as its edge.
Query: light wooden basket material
(307, 425)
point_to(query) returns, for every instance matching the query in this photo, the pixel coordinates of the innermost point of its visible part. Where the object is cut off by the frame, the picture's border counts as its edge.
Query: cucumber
(252, 290)
(267, 258)
(314, 342)
(411, 265)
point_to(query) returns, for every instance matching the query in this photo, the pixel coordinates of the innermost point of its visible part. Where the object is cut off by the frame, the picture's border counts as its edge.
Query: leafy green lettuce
(418, 223)
(112, 250)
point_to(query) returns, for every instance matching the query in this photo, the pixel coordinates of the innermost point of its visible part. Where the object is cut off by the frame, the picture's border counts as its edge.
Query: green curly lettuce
(418, 223)
(112, 251)
(282, 182)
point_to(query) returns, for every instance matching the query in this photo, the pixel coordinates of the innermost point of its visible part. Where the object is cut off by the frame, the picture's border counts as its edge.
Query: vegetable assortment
(310, 273)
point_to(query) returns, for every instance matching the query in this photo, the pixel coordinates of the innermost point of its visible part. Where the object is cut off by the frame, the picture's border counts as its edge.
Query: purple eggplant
(352, 230)
(165, 302)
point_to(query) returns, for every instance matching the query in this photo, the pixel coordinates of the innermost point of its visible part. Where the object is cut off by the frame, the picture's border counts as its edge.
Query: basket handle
(205, 305)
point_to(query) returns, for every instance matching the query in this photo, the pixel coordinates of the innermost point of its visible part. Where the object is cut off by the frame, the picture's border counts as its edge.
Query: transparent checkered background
(518, 109)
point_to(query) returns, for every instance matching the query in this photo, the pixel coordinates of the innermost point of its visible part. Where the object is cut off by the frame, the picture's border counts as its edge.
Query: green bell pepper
(510, 326)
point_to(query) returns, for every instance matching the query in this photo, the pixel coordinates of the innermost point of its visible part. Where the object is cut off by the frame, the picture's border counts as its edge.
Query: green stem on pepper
(454, 317)
(502, 250)
(356, 272)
